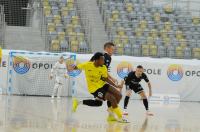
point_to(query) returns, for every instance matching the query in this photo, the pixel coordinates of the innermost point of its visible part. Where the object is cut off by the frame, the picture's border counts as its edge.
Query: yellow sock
(118, 112)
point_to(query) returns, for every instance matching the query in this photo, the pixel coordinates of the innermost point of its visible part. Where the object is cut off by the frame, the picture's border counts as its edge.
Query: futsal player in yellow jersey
(99, 85)
(0, 54)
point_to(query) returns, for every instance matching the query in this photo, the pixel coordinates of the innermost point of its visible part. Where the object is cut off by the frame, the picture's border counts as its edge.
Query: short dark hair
(140, 66)
(108, 45)
(96, 56)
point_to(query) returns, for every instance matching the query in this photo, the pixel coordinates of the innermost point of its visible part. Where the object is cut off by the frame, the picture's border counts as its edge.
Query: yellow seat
(47, 10)
(129, 7)
(196, 20)
(75, 20)
(115, 15)
(51, 27)
(74, 45)
(61, 36)
(168, 8)
(124, 39)
(69, 28)
(120, 31)
(70, 5)
(150, 40)
(80, 37)
(143, 24)
(57, 19)
(72, 36)
(153, 51)
(196, 53)
(179, 52)
(167, 41)
(45, 3)
(117, 40)
(120, 48)
(183, 43)
(138, 32)
(179, 35)
(168, 26)
(145, 50)
(156, 17)
(55, 45)
(64, 11)
(163, 33)
(154, 33)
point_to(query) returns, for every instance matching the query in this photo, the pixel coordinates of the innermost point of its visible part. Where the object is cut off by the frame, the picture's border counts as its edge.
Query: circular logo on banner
(175, 72)
(73, 73)
(123, 69)
(21, 65)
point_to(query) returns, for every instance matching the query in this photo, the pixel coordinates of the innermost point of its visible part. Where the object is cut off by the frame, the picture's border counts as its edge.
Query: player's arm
(53, 70)
(81, 66)
(105, 77)
(112, 79)
(111, 82)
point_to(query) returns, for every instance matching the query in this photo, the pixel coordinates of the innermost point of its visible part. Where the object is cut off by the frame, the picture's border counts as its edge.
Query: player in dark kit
(132, 82)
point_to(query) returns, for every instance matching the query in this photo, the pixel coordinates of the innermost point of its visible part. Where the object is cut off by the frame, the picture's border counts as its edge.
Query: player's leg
(88, 102)
(126, 99)
(55, 89)
(112, 90)
(128, 95)
(145, 102)
(60, 81)
(59, 90)
(115, 108)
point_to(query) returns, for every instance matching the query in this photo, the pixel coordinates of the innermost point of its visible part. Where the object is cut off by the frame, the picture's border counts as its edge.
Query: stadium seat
(55, 45)
(179, 52)
(153, 50)
(196, 53)
(145, 50)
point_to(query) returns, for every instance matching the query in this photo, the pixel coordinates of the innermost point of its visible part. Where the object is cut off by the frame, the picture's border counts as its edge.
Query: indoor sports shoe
(111, 118)
(149, 113)
(123, 120)
(74, 104)
(125, 112)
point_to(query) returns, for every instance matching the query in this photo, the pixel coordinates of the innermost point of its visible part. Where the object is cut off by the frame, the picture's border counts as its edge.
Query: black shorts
(137, 89)
(101, 92)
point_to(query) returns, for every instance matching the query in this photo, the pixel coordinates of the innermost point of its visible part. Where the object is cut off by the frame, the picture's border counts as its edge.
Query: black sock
(126, 102)
(145, 102)
(109, 104)
(91, 102)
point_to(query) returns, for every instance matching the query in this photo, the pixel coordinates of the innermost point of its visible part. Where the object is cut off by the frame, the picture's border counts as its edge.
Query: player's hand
(51, 77)
(71, 67)
(66, 76)
(121, 84)
(115, 81)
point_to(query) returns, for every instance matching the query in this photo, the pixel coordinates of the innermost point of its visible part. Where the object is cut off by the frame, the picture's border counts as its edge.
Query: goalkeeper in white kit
(60, 72)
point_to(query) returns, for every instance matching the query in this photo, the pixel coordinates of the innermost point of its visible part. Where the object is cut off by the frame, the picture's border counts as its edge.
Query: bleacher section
(64, 28)
(159, 31)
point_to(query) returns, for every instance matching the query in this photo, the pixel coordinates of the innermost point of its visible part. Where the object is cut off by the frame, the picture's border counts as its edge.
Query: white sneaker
(125, 112)
(58, 97)
(123, 120)
(149, 113)
(52, 97)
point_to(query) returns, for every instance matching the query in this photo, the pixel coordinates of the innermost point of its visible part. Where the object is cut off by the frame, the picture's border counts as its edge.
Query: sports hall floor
(41, 114)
